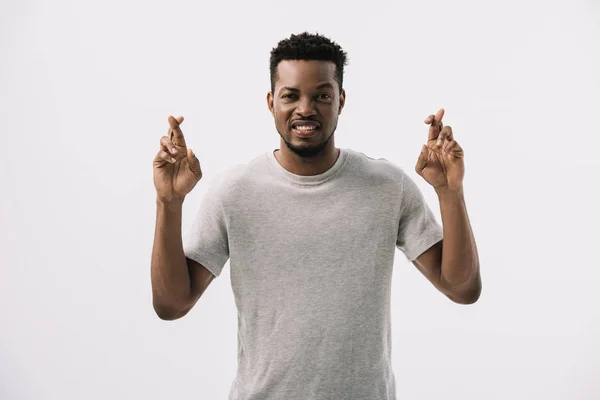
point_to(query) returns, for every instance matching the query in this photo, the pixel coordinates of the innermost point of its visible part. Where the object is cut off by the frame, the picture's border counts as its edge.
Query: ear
(270, 103)
(342, 101)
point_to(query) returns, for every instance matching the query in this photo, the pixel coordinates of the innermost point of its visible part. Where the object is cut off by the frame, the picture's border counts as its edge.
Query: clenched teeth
(305, 127)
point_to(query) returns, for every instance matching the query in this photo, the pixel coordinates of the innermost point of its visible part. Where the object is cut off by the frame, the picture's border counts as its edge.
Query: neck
(307, 166)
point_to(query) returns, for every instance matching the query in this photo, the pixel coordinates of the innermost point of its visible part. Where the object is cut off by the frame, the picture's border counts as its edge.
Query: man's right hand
(175, 172)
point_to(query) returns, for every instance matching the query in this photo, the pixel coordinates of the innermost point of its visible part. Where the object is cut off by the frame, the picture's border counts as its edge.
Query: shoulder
(379, 169)
(235, 179)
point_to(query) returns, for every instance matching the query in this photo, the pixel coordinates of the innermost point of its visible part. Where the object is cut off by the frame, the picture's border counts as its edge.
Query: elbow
(468, 295)
(167, 315)
(466, 299)
(168, 312)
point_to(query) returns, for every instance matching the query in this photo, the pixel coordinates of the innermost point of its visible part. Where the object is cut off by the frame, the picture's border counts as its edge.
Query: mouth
(305, 129)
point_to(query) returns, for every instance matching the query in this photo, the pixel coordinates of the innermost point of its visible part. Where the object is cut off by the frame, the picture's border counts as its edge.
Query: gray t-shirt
(311, 261)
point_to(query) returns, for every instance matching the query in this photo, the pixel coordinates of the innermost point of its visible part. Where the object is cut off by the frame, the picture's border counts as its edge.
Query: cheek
(330, 111)
(282, 115)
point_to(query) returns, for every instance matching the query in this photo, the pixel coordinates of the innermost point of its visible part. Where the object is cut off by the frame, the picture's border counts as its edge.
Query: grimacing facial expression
(306, 104)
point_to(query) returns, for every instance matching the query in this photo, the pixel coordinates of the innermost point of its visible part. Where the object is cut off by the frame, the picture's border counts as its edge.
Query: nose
(306, 108)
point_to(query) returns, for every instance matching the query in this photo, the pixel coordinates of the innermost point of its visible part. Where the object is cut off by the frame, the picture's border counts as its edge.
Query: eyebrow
(321, 86)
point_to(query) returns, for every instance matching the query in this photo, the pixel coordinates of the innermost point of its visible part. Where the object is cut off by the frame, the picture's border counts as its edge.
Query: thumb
(422, 160)
(194, 163)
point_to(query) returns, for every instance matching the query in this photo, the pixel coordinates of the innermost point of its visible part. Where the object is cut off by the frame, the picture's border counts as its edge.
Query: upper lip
(304, 122)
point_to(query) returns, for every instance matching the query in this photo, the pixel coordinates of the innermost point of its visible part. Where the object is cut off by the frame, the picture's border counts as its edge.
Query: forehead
(305, 73)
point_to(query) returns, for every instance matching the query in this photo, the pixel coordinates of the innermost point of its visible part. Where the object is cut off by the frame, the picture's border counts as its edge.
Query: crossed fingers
(440, 137)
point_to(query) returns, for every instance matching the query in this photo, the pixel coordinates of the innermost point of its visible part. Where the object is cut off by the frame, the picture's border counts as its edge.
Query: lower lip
(305, 134)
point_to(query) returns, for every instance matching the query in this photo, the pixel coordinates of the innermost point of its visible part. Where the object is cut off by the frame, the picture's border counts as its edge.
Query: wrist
(446, 191)
(169, 203)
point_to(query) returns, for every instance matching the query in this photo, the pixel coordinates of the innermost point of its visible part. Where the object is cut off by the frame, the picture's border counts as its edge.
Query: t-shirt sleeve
(206, 242)
(418, 228)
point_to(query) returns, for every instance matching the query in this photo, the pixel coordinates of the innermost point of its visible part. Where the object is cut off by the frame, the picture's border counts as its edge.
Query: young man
(310, 231)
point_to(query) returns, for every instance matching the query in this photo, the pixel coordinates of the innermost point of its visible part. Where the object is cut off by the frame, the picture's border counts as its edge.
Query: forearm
(460, 261)
(169, 271)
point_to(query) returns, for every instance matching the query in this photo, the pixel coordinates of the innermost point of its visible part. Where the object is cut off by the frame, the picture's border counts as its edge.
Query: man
(310, 231)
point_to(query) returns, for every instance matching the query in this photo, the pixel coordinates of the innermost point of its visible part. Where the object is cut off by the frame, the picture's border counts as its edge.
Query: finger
(455, 149)
(175, 133)
(432, 130)
(167, 145)
(438, 121)
(435, 124)
(439, 115)
(162, 157)
(175, 122)
(422, 160)
(446, 146)
(194, 164)
(444, 136)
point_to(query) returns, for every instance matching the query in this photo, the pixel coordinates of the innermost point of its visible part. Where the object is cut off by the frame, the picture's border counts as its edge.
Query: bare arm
(452, 265)
(460, 261)
(177, 282)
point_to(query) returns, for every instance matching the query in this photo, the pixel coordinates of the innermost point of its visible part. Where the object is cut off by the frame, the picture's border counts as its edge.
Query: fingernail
(173, 150)
(173, 160)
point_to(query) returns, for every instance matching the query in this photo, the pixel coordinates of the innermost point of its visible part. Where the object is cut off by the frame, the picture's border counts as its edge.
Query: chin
(306, 150)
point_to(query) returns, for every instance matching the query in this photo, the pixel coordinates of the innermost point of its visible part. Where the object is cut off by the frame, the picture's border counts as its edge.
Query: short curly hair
(308, 46)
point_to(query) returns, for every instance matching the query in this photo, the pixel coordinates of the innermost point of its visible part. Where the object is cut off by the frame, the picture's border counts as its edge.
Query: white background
(85, 91)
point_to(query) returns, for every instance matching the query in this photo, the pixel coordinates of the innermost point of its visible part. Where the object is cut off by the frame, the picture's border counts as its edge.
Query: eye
(288, 95)
(324, 96)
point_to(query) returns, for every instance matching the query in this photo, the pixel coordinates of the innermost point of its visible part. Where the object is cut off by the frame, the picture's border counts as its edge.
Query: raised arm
(177, 282)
